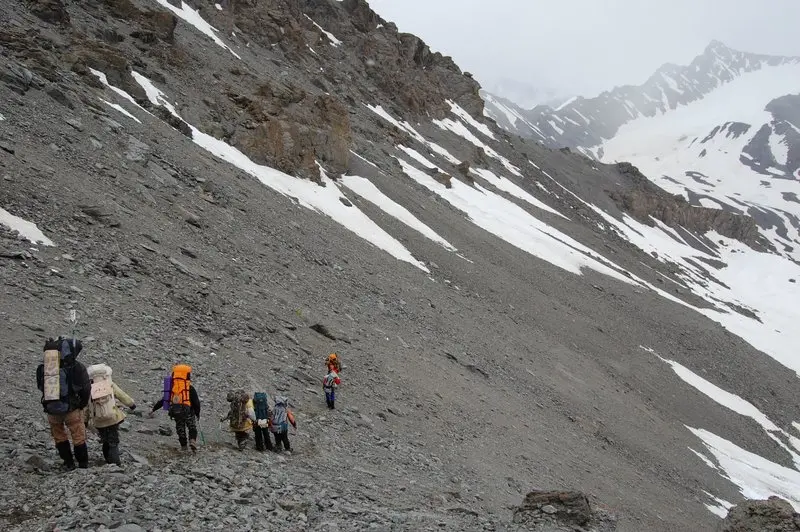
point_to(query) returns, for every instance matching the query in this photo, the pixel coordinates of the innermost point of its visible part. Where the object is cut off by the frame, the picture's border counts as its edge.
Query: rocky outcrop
(52, 11)
(309, 129)
(771, 515)
(557, 511)
(642, 200)
(400, 66)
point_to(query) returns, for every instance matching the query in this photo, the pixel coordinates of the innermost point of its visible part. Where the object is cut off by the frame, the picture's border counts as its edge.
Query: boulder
(52, 11)
(772, 515)
(556, 511)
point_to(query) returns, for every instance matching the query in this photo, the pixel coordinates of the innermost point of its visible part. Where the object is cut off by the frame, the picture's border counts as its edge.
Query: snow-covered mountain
(724, 132)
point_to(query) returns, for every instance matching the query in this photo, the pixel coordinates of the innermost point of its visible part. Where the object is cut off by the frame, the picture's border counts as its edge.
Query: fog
(587, 46)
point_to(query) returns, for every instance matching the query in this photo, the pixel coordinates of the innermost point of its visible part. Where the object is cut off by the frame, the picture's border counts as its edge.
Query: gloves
(132, 407)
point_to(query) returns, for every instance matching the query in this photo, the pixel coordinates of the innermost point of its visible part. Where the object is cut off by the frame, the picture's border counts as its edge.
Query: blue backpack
(261, 405)
(280, 417)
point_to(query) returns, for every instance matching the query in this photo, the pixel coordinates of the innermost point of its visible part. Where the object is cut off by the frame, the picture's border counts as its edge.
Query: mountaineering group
(75, 398)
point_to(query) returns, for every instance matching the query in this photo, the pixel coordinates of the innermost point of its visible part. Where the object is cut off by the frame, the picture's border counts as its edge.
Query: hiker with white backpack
(103, 413)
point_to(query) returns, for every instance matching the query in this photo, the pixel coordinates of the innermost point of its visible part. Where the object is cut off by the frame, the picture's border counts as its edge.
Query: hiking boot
(82, 456)
(193, 445)
(242, 444)
(65, 452)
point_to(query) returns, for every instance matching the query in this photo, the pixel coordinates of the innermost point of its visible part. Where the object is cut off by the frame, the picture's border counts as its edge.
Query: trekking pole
(200, 431)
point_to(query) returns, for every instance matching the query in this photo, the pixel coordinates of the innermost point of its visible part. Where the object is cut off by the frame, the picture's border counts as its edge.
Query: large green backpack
(238, 412)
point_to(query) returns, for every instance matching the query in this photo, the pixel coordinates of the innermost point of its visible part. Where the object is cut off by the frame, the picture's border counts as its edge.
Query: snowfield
(667, 146)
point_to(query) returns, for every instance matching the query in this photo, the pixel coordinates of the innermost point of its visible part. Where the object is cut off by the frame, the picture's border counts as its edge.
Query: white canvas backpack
(102, 406)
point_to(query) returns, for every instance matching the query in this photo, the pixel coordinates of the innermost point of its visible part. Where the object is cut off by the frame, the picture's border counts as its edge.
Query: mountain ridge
(586, 122)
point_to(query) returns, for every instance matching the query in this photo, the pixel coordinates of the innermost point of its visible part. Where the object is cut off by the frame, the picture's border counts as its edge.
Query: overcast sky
(587, 46)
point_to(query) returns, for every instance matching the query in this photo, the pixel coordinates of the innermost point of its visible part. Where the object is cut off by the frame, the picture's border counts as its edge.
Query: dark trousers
(109, 436)
(262, 438)
(282, 437)
(330, 397)
(185, 420)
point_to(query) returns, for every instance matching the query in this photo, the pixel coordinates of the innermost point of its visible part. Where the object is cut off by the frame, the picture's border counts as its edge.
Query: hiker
(103, 412)
(181, 401)
(329, 385)
(333, 358)
(65, 387)
(261, 425)
(240, 416)
(281, 418)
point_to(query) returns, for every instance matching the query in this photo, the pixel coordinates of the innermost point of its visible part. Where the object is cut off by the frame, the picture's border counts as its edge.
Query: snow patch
(27, 230)
(2, 117)
(563, 105)
(507, 186)
(554, 126)
(516, 226)
(720, 507)
(186, 13)
(756, 477)
(461, 130)
(334, 41)
(466, 117)
(405, 126)
(720, 396)
(371, 193)
(120, 109)
(780, 148)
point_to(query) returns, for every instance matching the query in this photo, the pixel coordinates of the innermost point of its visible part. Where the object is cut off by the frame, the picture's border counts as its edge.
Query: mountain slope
(220, 197)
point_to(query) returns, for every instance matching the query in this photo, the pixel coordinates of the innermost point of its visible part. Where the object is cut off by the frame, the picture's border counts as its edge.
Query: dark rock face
(400, 65)
(772, 515)
(555, 511)
(52, 11)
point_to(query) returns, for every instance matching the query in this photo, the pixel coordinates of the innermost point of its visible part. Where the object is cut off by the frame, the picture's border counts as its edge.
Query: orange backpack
(181, 381)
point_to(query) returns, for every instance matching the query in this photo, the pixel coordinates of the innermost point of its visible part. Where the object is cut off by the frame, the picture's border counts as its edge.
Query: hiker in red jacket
(329, 385)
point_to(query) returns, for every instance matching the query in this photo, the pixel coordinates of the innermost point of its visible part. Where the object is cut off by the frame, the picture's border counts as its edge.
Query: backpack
(238, 413)
(102, 407)
(180, 383)
(333, 360)
(56, 375)
(261, 405)
(280, 416)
